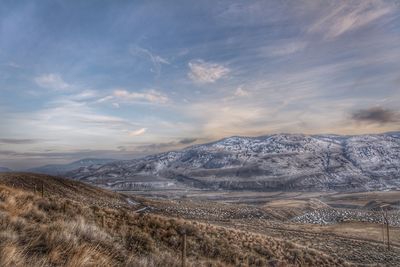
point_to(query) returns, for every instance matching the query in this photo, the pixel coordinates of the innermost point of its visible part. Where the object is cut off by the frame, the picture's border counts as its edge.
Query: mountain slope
(274, 162)
(56, 187)
(60, 169)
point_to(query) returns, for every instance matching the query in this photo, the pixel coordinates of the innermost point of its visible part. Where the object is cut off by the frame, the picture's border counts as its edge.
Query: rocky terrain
(289, 162)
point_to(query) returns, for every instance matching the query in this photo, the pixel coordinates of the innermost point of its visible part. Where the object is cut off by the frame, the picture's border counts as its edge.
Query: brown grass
(58, 231)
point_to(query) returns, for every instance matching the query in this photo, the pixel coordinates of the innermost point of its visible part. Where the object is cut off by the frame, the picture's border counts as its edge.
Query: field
(353, 232)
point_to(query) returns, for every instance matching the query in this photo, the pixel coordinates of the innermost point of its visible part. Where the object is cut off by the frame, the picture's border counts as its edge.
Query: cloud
(186, 141)
(71, 120)
(18, 141)
(14, 65)
(51, 81)
(240, 92)
(85, 95)
(348, 16)
(124, 96)
(375, 115)
(156, 60)
(138, 132)
(151, 96)
(153, 148)
(284, 49)
(218, 120)
(206, 72)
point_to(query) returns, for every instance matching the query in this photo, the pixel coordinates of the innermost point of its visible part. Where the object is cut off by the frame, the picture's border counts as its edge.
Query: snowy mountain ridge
(272, 162)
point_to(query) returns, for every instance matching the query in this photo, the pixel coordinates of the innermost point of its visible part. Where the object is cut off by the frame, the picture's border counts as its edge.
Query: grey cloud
(15, 141)
(375, 115)
(186, 141)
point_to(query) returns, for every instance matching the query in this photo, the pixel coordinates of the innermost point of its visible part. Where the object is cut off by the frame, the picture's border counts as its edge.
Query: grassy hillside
(75, 225)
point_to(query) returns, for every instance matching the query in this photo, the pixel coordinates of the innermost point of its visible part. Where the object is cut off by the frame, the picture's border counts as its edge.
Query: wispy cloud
(138, 132)
(206, 72)
(13, 65)
(156, 60)
(218, 120)
(284, 48)
(350, 15)
(16, 141)
(120, 96)
(51, 81)
(240, 92)
(71, 121)
(85, 95)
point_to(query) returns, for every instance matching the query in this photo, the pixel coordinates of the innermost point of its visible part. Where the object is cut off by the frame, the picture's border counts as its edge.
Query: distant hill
(57, 187)
(274, 162)
(61, 169)
(5, 169)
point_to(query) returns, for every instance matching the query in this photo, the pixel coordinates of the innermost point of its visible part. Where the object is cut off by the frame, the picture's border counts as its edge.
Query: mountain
(273, 162)
(5, 169)
(61, 169)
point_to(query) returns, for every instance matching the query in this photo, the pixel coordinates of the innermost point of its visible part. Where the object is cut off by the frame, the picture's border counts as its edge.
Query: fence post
(383, 230)
(42, 190)
(387, 230)
(386, 220)
(184, 249)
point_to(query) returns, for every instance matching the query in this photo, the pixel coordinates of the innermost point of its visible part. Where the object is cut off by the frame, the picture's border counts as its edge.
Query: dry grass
(58, 231)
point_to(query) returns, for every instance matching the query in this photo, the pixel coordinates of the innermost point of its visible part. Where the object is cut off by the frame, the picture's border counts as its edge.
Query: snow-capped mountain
(273, 162)
(61, 169)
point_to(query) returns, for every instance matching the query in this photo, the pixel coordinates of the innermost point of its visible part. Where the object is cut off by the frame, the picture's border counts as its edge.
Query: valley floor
(356, 238)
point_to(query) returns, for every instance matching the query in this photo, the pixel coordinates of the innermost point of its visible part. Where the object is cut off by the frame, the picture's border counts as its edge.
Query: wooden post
(386, 219)
(387, 230)
(383, 230)
(184, 250)
(42, 190)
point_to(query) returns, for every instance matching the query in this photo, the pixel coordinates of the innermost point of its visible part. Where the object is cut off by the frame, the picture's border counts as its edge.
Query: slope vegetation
(73, 226)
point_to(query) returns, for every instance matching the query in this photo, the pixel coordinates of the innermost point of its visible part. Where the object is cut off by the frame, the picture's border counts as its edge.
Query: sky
(123, 79)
